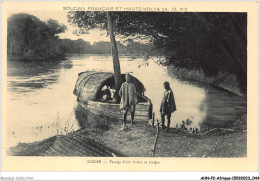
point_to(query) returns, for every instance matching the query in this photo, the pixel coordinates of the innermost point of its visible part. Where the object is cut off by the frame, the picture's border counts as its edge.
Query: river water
(41, 102)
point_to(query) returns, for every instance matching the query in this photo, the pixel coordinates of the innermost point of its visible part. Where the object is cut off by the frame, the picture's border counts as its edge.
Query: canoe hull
(142, 112)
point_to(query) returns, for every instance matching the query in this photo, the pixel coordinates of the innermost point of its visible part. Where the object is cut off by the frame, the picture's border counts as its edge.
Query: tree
(116, 64)
(211, 42)
(30, 38)
(101, 21)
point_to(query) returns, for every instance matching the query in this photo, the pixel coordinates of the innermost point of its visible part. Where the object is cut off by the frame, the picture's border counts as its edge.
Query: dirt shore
(138, 142)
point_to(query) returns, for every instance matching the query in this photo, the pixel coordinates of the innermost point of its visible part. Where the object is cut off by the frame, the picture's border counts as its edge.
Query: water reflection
(40, 94)
(25, 76)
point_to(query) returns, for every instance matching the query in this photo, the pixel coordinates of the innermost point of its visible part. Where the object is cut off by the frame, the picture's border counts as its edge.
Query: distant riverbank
(56, 58)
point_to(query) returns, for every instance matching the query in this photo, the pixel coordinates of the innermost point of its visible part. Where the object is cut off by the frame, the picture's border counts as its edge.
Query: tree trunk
(114, 52)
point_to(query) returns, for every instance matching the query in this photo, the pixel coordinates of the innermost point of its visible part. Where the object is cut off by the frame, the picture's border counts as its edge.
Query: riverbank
(138, 142)
(227, 82)
(29, 58)
(220, 108)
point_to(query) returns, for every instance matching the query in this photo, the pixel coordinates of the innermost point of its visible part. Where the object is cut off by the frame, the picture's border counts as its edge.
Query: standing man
(128, 102)
(168, 105)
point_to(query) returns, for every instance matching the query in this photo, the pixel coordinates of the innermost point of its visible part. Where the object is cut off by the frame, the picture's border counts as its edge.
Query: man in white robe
(128, 102)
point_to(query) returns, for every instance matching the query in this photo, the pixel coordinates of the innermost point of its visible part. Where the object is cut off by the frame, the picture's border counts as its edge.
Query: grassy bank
(138, 142)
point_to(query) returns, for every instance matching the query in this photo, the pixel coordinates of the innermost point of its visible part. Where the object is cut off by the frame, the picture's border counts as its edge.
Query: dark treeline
(211, 42)
(30, 38)
(214, 43)
(83, 47)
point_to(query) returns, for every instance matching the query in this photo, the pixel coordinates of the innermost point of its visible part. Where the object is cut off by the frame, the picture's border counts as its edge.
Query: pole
(156, 139)
(153, 119)
(114, 51)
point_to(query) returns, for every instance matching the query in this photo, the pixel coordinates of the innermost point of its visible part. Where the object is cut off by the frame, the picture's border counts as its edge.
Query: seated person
(104, 94)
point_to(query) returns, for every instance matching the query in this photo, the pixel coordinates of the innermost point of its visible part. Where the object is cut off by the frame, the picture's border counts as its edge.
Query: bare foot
(133, 125)
(123, 128)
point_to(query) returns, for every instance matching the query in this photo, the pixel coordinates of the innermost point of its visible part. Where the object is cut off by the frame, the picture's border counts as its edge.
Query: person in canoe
(168, 105)
(128, 101)
(105, 94)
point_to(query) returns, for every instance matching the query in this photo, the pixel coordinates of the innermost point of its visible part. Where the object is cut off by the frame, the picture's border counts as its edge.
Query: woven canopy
(89, 83)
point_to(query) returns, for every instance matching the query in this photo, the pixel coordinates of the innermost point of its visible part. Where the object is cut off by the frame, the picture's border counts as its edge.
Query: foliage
(75, 46)
(211, 42)
(102, 47)
(30, 38)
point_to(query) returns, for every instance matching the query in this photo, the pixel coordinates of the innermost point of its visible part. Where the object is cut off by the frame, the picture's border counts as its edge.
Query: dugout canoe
(89, 85)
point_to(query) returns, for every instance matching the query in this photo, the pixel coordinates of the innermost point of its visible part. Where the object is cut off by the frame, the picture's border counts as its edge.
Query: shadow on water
(222, 109)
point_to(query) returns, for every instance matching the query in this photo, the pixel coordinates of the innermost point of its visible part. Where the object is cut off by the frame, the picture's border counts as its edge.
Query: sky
(61, 17)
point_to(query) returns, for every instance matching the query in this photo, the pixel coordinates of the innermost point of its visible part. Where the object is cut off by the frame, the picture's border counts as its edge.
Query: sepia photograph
(142, 82)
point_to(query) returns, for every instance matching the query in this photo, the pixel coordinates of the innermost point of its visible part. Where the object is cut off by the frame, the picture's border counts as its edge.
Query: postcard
(129, 86)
